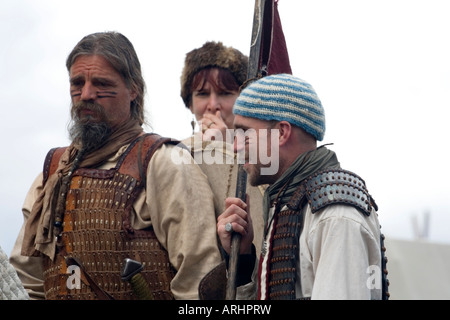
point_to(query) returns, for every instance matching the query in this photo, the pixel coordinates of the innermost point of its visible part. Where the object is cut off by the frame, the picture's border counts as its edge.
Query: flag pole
(241, 184)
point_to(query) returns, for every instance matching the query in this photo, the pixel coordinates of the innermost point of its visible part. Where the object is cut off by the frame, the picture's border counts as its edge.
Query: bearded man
(114, 194)
(322, 237)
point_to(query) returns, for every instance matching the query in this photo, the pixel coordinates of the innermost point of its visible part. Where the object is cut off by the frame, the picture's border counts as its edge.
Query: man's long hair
(120, 53)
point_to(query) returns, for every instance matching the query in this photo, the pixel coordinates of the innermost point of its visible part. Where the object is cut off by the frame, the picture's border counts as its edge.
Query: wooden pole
(241, 184)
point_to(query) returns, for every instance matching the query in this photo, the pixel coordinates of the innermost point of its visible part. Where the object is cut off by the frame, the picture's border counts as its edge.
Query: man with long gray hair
(112, 206)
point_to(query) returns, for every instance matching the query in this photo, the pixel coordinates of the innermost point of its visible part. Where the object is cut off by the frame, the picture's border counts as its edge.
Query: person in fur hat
(210, 83)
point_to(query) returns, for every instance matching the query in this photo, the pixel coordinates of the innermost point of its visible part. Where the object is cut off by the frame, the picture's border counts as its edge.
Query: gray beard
(91, 136)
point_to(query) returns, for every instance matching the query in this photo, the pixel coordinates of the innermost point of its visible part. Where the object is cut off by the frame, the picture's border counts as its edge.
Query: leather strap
(51, 162)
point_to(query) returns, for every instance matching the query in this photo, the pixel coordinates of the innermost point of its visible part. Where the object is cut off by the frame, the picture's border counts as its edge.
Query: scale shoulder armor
(338, 186)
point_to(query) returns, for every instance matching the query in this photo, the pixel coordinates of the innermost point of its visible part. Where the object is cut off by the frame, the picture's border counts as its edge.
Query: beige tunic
(183, 221)
(217, 160)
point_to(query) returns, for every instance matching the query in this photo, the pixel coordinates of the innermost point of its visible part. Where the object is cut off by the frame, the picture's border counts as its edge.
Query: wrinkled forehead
(242, 122)
(93, 67)
(91, 63)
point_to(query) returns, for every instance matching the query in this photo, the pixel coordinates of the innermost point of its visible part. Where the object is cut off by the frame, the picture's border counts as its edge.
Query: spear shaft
(241, 184)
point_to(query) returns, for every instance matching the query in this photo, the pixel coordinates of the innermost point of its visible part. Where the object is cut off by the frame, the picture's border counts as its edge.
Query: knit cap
(283, 97)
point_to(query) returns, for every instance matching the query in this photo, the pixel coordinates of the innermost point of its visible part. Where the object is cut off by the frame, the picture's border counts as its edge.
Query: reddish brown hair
(225, 80)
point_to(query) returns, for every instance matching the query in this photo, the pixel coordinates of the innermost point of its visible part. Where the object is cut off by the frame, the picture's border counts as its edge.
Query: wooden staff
(241, 184)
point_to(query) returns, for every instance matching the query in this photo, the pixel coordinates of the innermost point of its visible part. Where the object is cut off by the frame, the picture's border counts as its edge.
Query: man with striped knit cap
(322, 237)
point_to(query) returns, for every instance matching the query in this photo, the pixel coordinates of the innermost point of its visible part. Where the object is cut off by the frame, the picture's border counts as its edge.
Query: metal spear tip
(130, 268)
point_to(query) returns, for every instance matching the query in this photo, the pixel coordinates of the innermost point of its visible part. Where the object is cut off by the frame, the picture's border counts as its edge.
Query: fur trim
(212, 54)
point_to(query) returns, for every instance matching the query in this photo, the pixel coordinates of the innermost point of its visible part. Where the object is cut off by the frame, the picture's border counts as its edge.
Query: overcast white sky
(381, 69)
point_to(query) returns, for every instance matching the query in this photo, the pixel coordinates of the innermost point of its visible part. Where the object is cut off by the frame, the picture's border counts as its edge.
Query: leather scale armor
(97, 230)
(330, 186)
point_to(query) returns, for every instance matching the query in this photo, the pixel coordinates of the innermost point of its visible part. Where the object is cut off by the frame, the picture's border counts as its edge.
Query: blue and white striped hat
(283, 97)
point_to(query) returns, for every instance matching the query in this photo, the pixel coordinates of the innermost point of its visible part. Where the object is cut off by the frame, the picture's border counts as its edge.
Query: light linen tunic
(339, 256)
(219, 163)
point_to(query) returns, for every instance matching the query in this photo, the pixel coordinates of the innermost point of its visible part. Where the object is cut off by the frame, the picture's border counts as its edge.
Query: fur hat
(283, 97)
(212, 54)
